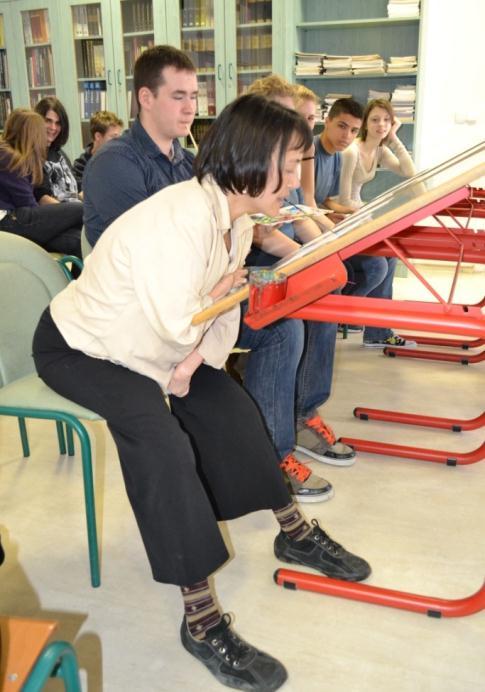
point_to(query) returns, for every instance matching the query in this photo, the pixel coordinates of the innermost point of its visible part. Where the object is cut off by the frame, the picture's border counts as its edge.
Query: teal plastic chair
(57, 660)
(29, 279)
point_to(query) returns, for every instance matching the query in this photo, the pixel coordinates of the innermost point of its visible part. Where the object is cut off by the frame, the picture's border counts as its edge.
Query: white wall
(451, 79)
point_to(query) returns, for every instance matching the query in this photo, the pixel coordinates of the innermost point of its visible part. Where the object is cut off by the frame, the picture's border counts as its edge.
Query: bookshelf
(90, 62)
(356, 28)
(230, 43)
(5, 93)
(138, 34)
(36, 32)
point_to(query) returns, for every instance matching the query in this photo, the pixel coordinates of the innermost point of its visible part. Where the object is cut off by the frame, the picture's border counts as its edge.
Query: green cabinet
(231, 44)
(354, 28)
(5, 83)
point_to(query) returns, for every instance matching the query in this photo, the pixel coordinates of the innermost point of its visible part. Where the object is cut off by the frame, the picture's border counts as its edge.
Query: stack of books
(308, 64)
(403, 100)
(403, 8)
(368, 64)
(337, 65)
(330, 99)
(402, 63)
(373, 94)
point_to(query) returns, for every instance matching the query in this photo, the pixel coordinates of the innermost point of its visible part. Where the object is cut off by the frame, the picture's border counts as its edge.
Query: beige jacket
(150, 272)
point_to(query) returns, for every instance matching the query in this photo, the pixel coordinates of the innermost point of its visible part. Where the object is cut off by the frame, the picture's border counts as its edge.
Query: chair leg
(88, 498)
(70, 441)
(57, 659)
(60, 437)
(24, 437)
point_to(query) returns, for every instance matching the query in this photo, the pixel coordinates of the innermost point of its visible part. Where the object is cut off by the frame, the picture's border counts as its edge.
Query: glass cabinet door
(198, 41)
(38, 54)
(254, 41)
(138, 35)
(5, 93)
(90, 60)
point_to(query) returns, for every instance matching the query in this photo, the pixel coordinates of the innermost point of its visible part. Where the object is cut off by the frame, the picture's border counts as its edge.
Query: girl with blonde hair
(22, 153)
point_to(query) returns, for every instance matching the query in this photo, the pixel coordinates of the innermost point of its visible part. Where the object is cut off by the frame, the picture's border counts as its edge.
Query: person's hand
(179, 384)
(228, 282)
(335, 217)
(392, 132)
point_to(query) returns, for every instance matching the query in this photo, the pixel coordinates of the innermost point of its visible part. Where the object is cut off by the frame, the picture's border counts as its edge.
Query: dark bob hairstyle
(51, 103)
(238, 147)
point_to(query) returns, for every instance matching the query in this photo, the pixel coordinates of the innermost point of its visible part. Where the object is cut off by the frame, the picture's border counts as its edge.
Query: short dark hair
(347, 106)
(51, 103)
(148, 67)
(237, 149)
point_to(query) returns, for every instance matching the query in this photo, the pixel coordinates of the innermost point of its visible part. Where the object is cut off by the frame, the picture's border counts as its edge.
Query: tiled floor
(420, 525)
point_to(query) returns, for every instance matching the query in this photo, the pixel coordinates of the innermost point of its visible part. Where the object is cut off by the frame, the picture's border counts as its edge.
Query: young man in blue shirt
(148, 156)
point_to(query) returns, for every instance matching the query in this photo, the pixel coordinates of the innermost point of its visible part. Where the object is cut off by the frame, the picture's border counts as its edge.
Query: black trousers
(55, 227)
(208, 459)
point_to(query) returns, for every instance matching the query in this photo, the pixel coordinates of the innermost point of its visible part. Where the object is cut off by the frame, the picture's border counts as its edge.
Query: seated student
(124, 337)
(289, 368)
(59, 183)
(22, 154)
(377, 145)
(103, 126)
(148, 156)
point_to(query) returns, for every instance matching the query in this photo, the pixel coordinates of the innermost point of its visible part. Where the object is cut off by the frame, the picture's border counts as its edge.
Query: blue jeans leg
(383, 290)
(315, 372)
(370, 272)
(270, 376)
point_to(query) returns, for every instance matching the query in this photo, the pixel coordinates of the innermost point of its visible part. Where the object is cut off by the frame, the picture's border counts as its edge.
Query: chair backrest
(86, 247)
(29, 279)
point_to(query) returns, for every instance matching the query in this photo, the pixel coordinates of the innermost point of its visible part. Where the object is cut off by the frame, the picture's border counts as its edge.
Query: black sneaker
(234, 662)
(320, 552)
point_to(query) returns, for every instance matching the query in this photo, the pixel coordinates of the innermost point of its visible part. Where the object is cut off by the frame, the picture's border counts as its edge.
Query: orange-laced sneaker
(316, 439)
(320, 427)
(305, 485)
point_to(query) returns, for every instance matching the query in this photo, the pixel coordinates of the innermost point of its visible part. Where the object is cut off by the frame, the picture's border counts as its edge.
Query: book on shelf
(40, 67)
(5, 108)
(403, 100)
(202, 99)
(92, 98)
(368, 64)
(329, 99)
(4, 78)
(39, 26)
(2, 32)
(137, 16)
(134, 47)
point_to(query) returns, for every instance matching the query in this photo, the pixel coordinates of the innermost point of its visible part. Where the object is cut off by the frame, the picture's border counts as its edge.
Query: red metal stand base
(434, 607)
(453, 424)
(434, 355)
(435, 455)
(465, 344)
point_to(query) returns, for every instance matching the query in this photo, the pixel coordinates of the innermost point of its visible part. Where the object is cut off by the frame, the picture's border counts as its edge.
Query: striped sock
(201, 611)
(292, 522)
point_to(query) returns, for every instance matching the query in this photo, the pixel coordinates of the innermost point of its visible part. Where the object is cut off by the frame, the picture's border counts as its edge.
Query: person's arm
(308, 177)
(273, 241)
(333, 204)
(307, 229)
(113, 183)
(350, 159)
(18, 189)
(395, 158)
(48, 199)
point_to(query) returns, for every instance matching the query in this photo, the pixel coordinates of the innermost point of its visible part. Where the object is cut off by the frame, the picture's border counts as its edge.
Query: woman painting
(124, 336)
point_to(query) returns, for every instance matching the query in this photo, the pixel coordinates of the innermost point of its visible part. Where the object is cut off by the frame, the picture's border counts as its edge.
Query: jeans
(55, 227)
(288, 373)
(373, 277)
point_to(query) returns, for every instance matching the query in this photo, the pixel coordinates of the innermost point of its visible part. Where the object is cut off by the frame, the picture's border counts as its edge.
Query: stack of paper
(402, 63)
(373, 94)
(308, 64)
(403, 8)
(403, 101)
(368, 64)
(337, 65)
